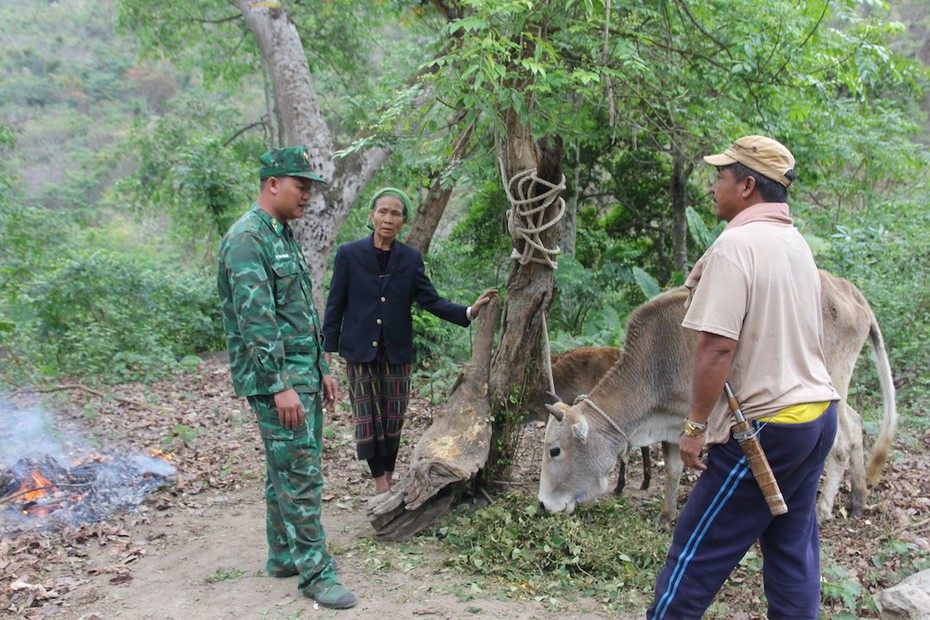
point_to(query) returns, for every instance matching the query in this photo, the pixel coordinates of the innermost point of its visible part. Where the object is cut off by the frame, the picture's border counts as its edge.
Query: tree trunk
(515, 369)
(449, 454)
(681, 171)
(271, 129)
(570, 220)
(430, 212)
(301, 122)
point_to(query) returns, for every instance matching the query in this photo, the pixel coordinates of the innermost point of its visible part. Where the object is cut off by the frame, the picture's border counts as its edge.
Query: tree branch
(77, 386)
(232, 138)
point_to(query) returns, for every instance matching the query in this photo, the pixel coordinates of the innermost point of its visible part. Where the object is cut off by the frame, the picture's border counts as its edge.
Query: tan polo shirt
(760, 287)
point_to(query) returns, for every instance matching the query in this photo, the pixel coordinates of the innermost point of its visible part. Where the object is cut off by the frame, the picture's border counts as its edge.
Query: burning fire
(34, 486)
(47, 483)
(161, 454)
(91, 489)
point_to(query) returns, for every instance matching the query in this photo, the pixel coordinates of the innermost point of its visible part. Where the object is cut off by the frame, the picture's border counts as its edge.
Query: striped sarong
(379, 393)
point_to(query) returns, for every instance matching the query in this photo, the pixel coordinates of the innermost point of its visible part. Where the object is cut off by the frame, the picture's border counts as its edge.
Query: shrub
(885, 254)
(118, 315)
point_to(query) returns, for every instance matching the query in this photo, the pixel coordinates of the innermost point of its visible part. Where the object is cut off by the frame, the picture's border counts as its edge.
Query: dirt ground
(208, 563)
(196, 549)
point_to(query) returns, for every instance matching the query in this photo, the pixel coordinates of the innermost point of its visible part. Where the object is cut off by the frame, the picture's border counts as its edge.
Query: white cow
(644, 398)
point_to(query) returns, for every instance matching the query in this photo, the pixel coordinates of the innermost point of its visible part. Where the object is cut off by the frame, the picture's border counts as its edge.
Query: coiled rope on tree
(526, 218)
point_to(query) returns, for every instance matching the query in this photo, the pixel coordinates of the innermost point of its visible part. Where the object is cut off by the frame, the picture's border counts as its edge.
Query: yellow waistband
(797, 414)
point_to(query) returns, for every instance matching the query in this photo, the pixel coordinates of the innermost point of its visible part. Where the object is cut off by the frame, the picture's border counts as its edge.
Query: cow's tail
(886, 433)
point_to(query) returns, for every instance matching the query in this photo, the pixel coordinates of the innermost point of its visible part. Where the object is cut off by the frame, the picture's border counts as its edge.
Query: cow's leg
(647, 468)
(858, 488)
(673, 466)
(621, 476)
(837, 461)
(647, 472)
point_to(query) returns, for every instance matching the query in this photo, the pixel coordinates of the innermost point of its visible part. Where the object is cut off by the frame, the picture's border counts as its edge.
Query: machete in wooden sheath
(745, 436)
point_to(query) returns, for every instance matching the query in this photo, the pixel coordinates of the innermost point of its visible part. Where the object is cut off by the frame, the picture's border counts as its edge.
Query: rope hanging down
(526, 216)
(547, 355)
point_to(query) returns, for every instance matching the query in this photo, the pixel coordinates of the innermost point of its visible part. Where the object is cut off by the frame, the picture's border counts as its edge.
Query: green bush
(587, 309)
(188, 171)
(483, 229)
(886, 254)
(440, 348)
(120, 316)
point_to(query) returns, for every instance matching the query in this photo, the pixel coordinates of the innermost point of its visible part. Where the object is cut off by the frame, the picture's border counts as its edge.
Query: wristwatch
(694, 429)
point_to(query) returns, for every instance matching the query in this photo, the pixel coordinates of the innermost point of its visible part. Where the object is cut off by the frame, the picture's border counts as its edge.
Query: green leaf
(647, 284)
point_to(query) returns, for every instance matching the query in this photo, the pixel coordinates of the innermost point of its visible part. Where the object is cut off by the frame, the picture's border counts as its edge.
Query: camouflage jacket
(272, 328)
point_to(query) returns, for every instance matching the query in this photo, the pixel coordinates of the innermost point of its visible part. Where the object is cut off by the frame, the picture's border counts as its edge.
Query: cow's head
(577, 459)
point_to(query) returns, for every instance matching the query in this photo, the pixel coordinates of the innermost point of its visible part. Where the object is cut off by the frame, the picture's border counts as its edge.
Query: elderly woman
(368, 322)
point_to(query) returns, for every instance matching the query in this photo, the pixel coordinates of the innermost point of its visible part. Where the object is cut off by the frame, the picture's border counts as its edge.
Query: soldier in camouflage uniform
(276, 360)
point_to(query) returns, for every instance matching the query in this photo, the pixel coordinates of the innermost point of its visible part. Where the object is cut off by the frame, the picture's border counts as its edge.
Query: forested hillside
(142, 152)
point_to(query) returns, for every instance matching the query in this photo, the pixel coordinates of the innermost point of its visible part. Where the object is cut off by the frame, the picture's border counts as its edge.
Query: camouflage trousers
(293, 489)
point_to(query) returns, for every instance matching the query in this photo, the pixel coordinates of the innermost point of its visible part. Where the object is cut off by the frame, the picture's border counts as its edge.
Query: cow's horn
(556, 412)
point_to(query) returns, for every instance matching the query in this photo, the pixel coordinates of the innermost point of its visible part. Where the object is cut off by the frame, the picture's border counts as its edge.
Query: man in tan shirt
(756, 307)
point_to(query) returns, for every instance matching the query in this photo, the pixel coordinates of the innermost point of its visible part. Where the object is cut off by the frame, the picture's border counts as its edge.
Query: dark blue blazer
(362, 302)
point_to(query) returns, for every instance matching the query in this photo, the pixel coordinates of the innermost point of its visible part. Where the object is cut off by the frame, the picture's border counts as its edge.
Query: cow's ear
(556, 412)
(553, 398)
(580, 430)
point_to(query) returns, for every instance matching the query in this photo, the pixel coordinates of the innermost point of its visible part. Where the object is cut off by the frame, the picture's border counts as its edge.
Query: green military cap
(293, 161)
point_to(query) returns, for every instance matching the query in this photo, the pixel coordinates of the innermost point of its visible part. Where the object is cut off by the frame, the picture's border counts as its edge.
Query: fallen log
(449, 454)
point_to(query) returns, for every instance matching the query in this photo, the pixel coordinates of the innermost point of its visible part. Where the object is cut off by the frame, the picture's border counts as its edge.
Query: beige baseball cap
(768, 157)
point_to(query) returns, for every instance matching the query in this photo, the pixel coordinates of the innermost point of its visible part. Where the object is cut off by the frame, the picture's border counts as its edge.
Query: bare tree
(302, 122)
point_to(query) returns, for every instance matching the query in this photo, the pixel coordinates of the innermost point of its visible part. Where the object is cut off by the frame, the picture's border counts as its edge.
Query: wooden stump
(449, 454)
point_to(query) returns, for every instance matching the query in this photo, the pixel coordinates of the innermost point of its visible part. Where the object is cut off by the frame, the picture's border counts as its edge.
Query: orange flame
(38, 511)
(35, 485)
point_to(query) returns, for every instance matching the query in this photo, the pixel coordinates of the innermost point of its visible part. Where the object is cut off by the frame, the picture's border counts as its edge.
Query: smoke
(27, 433)
(88, 485)
(148, 465)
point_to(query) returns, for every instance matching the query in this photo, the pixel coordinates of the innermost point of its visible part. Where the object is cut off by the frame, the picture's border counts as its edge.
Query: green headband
(393, 192)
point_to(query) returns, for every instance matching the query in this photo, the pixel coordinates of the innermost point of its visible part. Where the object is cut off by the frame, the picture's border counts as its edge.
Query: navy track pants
(726, 513)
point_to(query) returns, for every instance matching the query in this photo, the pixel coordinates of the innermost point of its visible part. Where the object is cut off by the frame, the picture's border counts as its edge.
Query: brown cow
(578, 370)
(647, 392)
